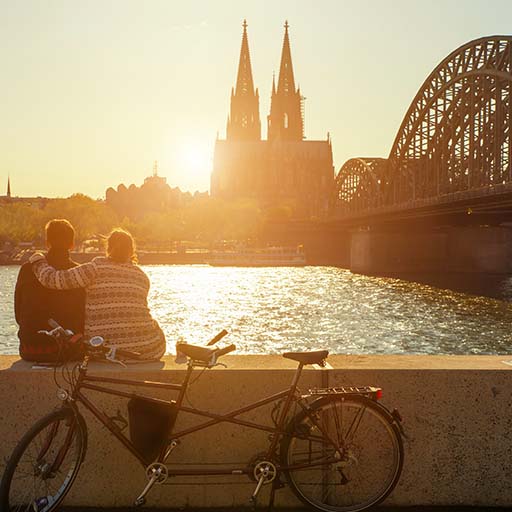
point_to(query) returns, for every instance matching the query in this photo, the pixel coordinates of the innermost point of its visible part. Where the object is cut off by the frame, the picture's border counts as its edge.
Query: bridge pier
(475, 249)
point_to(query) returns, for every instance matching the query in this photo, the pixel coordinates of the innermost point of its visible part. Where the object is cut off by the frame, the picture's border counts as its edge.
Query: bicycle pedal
(139, 502)
(253, 503)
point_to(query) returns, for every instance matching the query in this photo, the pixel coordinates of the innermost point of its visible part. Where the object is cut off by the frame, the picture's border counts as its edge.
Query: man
(34, 304)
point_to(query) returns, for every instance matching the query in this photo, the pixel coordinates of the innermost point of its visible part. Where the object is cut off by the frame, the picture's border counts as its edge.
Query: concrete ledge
(457, 412)
(302, 509)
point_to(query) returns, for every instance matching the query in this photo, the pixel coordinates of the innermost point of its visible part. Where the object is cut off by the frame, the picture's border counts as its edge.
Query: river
(270, 310)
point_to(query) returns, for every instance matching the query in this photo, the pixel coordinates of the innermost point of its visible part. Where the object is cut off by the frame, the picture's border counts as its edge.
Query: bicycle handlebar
(111, 353)
(58, 332)
(218, 337)
(226, 350)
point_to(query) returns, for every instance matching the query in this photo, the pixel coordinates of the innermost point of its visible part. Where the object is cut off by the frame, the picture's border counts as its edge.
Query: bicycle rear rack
(367, 391)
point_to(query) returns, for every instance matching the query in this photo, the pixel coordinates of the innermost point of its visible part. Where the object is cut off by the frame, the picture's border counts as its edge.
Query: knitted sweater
(115, 302)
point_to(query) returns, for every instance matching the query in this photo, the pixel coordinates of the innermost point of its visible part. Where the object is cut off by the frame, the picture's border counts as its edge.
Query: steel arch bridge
(453, 148)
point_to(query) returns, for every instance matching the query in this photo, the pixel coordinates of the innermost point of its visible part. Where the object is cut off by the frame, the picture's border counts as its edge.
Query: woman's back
(116, 308)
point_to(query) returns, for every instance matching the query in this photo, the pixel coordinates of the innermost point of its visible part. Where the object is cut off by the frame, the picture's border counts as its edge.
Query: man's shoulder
(25, 270)
(27, 278)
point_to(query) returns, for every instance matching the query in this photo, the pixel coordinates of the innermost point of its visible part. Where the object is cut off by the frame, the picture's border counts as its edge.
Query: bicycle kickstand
(272, 495)
(276, 484)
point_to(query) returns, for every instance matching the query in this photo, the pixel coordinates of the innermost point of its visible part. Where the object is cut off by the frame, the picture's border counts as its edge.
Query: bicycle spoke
(339, 426)
(353, 475)
(355, 425)
(47, 464)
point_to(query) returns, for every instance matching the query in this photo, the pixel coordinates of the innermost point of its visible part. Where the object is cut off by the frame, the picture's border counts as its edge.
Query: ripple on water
(270, 310)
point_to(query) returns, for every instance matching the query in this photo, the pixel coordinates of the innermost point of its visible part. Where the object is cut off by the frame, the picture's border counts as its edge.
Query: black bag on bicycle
(150, 425)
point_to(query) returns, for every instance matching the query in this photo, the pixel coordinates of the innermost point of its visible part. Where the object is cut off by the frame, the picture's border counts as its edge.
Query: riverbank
(145, 257)
(199, 257)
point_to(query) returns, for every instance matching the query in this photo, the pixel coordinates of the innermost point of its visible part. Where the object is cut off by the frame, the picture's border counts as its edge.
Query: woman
(116, 291)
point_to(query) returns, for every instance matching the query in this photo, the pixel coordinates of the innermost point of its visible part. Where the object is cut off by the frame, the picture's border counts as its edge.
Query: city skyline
(95, 95)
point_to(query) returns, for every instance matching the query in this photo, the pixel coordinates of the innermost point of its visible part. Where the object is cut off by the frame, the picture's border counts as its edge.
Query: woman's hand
(37, 256)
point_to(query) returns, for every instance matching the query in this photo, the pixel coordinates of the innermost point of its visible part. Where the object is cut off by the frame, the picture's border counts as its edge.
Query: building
(34, 202)
(7, 198)
(154, 195)
(284, 170)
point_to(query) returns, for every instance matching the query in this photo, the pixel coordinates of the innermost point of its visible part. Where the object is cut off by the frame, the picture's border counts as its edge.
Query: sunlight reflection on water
(270, 310)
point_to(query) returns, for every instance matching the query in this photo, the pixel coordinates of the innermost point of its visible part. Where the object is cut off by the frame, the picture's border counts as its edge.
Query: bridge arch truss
(454, 141)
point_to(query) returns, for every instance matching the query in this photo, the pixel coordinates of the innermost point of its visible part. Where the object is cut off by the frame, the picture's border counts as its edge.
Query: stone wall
(456, 409)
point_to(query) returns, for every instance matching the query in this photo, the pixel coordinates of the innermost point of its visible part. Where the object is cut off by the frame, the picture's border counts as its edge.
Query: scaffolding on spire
(286, 119)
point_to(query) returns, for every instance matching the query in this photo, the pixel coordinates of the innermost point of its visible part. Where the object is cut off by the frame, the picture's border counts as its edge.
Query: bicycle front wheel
(44, 464)
(345, 456)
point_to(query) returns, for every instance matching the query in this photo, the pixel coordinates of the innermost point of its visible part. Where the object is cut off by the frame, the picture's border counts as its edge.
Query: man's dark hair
(60, 234)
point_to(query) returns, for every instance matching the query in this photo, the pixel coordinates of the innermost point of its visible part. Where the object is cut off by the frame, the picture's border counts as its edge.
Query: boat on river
(265, 257)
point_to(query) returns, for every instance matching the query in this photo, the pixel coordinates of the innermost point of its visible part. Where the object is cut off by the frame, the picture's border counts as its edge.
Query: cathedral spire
(8, 186)
(244, 82)
(285, 121)
(244, 120)
(286, 83)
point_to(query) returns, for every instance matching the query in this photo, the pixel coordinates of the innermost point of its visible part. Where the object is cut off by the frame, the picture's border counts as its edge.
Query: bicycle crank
(157, 473)
(264, 473)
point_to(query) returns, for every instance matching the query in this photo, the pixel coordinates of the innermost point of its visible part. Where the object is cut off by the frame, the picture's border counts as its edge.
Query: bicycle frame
(88, 382)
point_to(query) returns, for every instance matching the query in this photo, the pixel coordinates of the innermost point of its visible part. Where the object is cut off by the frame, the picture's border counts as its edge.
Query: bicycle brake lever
(116, 361)
(54, 333)
(218, 364)
(111, 356)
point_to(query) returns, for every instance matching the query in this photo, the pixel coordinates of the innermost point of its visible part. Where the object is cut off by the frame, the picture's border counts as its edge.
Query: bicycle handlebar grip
(52, 323)
(217, 338)
(226, 350)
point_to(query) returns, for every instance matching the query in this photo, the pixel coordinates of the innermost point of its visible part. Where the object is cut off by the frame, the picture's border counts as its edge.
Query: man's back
(34, 305)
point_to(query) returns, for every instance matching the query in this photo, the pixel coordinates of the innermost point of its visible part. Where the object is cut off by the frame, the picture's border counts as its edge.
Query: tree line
(200, 218)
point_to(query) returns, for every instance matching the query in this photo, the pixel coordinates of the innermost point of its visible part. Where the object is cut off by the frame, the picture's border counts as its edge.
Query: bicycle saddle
(313, 357)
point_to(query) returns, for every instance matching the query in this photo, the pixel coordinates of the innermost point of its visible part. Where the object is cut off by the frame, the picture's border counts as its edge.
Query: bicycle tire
(368, 437)
(61, 435)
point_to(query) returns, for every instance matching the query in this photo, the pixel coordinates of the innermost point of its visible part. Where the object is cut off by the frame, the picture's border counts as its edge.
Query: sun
(191, 161)
(195, 158)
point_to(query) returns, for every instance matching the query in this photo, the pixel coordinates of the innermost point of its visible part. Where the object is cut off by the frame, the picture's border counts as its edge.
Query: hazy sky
(92, 92)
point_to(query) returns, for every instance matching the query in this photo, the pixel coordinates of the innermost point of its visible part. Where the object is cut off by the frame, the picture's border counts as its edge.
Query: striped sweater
(115, 302)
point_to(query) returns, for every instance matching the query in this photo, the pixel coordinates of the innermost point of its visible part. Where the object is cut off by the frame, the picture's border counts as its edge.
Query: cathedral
(284, 170)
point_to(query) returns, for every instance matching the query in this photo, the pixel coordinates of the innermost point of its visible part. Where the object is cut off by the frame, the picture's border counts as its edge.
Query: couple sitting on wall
(105, 297)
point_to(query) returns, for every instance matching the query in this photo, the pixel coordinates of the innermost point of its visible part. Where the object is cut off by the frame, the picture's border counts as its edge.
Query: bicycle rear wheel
(346, 456)
(44, 464)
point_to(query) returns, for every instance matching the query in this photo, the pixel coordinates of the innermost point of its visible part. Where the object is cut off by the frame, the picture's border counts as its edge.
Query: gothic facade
(284, 170)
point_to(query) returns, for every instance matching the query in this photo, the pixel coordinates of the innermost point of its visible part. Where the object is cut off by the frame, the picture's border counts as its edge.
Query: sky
(93, 92)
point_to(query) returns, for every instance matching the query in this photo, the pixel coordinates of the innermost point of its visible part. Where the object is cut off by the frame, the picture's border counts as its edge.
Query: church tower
(285, 121)
(244, 119)
(8, 187)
